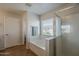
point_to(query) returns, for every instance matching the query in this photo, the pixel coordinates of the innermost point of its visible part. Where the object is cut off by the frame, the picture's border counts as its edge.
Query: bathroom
(39, 31)
(47, 33)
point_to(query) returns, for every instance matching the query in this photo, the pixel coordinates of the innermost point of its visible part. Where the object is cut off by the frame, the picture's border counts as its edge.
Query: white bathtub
(42, 45)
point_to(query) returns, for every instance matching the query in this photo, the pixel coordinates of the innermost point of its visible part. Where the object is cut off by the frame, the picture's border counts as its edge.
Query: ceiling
(38, 8)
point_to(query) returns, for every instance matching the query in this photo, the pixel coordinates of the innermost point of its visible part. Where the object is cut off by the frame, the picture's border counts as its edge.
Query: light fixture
(65, 9)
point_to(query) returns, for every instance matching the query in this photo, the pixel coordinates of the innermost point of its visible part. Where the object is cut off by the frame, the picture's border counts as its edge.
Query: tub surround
(43, 46)
(50, 46)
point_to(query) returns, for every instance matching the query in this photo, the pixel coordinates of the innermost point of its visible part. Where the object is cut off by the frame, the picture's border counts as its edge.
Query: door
(12, 31)
(1, 32)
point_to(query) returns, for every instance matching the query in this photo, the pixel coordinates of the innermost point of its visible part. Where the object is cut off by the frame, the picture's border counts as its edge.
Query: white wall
(32, 20)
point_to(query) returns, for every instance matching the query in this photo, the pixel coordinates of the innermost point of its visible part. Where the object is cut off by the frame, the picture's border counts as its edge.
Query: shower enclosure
(45, 43)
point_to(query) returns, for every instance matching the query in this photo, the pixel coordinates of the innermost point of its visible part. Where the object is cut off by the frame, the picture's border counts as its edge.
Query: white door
(12, 31)
(1, 32)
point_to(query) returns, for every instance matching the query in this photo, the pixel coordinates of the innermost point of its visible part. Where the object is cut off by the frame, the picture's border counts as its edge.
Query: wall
(24, 26)
(32, 20)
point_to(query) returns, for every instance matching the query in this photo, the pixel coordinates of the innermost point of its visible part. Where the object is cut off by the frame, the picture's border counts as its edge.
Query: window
(47, 27)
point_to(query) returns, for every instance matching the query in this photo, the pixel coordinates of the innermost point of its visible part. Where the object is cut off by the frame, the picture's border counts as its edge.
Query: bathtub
(42, 46)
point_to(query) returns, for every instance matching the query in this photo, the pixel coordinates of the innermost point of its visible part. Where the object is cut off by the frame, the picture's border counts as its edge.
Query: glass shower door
(58, 36)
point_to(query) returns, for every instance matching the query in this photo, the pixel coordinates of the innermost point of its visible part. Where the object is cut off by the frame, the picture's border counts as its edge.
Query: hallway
(17, 51)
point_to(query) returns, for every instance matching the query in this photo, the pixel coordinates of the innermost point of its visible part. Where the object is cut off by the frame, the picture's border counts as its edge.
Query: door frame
(4, 32)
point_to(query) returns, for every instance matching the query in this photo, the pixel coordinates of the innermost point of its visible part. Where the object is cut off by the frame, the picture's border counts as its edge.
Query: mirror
(34, 30)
